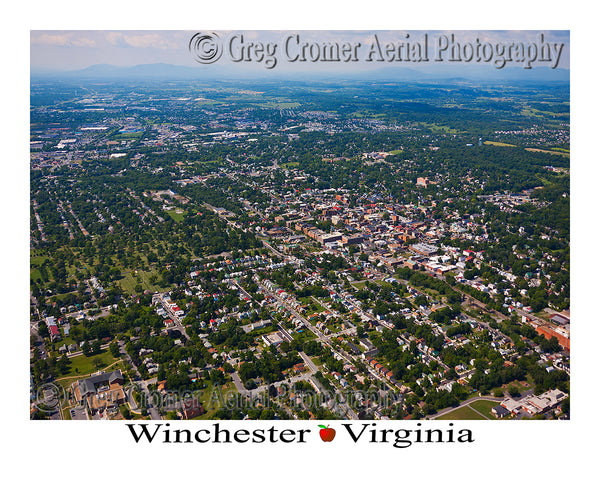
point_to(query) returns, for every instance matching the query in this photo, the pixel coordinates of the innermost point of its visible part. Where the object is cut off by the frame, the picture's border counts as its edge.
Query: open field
(484, 407)
(498, 144)
(130, 280)
(82, 365)
(289, 165)
(439, 128)
(213, 397)
(462, 413)
(35, 261)
(553, 152)
(177, 215)
(477, 410)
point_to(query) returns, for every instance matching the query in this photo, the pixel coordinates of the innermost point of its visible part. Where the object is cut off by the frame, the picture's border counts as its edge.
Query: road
(177, 325)
(143, 386)
(237, 381)
(307, 360)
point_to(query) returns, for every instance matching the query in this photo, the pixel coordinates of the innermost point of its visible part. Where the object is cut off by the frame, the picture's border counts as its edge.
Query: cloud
(61, 40)
(114, 38)
(141, 40)
(83, 42)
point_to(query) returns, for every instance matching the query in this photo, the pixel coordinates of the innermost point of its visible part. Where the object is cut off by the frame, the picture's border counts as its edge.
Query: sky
(78, 49)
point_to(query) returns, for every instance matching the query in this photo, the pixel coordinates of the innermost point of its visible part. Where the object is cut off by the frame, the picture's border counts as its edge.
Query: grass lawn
(59, 343)
(304, 335)
(127, 136)
(498, 144)
(553, 152)
(484, 407)
(211, 399)
(312, 307)
(176, 214)
(462, 413)
(130, 280)
(35, 260)
(35, 274)
(521, 385)
(439, 128)
(289, 164)
(82, 365)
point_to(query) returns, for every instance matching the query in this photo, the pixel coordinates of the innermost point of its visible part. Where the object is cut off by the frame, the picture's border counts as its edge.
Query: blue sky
(76, 49)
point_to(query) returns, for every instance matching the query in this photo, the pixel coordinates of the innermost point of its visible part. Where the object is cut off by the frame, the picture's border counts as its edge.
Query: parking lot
(78, 413)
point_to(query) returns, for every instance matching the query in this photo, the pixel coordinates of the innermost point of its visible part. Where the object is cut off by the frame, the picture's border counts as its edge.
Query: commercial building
(424, 249)
(101, 390)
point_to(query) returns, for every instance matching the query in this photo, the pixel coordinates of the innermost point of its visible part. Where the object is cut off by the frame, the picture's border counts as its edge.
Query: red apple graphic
(327, 434)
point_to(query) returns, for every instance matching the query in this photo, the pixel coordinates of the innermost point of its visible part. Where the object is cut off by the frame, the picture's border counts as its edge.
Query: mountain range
(164, 71)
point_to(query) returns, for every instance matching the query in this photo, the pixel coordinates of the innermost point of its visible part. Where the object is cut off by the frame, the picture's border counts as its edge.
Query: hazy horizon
(73, 51)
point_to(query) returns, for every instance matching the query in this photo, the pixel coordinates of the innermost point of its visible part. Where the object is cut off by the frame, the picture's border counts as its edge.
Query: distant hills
(107, 71)
(423, 72)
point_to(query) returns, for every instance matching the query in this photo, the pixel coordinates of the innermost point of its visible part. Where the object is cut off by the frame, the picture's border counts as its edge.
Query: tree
(217, 377)
(127, 415)
(96, 347)
(43, 329)
(97, 362)
(114, 349)
(63, 365)
(566, 405)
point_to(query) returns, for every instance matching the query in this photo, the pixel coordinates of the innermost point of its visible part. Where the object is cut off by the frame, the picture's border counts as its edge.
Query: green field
(38, 258)
(82, 365)
(132, 278)
(35, 260)
(289, 165)
(211, 398)
(462, 413)
(479, 410)
(553, 152)
(175, 215)
(534, 112)
(439, 128)
(498, 144)
(485, 407)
